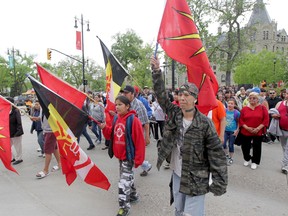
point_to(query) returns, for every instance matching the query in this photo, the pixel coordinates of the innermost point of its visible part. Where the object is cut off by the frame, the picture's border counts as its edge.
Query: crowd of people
(196, 147)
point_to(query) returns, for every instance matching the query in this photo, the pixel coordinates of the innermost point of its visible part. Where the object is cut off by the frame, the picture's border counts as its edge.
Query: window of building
(223, 78)
(265, 35)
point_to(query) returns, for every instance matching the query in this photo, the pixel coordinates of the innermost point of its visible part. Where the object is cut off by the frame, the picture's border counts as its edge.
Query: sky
(32, 26)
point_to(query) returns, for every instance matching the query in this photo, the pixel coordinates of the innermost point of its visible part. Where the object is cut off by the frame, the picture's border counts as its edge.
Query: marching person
(196, 148)
(128, 145)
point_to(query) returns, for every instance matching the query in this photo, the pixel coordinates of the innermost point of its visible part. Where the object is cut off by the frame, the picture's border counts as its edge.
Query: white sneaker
(246, 163)
(284, 169)
(253, 166)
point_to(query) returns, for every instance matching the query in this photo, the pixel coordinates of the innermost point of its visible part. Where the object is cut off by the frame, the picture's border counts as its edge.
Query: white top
(176, 158)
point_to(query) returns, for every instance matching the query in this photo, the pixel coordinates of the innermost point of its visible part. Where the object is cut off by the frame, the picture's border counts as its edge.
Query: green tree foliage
(6, 77)
(253, 68)
(13, 80)
(230, 15)
(127, 47)
(134, 56)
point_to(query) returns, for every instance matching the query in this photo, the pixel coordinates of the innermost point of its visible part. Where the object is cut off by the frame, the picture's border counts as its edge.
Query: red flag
(78, 40)
(5, 147)
(180, 39)
(115, 75)
(61, 87)
(207, 90)
(66, 121)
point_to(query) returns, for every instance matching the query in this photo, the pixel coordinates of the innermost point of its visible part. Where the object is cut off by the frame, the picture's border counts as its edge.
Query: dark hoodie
(16, 128)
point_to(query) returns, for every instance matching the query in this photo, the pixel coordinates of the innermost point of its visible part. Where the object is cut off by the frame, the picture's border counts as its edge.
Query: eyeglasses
(272, 93)
(253, 98)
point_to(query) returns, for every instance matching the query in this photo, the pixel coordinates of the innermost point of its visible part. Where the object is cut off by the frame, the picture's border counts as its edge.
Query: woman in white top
(160, 118)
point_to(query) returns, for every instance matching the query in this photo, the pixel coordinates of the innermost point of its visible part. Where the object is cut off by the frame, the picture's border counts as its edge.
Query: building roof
(259, 14)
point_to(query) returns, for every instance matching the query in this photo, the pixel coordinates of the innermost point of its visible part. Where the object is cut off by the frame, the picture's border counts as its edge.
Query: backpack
(235, 114)
(130, 148)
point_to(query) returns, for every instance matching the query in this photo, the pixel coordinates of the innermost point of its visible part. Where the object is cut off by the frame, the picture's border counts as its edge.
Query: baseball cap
(129, 88)
(145, 87)
(191, 88)
(256, 89)
(136, 89)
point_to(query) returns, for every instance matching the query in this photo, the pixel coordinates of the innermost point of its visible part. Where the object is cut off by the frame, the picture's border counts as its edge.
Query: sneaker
(253, 166)
(41, 155)
(17, 162)
(166, 166)
(123, 212)
(246, 163)
(284, 169)
(145, 173)
(229, 161)
(134, 198)
(39, 150)
(91, 147)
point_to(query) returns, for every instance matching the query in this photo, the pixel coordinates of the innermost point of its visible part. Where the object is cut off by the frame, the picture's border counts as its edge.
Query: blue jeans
(186, 205)
(40, 139)
(228, 136)
(86, 135)
(97, 131)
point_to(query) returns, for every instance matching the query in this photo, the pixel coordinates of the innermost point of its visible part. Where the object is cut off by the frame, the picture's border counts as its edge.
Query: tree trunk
(228, 78)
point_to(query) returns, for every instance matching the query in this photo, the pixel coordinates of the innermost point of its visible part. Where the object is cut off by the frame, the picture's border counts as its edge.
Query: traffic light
(49, 54)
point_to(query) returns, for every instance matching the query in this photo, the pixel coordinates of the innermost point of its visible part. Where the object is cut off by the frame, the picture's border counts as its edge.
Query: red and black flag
(5, 147)
(180, 39)
(115, 75)
(67, 122)
(61, 87)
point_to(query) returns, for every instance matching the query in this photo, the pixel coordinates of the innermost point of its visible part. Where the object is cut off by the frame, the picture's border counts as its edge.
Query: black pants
(254, 142)
(161, 126)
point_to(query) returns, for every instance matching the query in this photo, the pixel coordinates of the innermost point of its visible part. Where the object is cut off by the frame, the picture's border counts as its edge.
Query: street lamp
(82, 46)
(11, 56)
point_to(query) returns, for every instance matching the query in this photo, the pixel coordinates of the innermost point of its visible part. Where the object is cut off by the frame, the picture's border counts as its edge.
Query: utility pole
(82, 47)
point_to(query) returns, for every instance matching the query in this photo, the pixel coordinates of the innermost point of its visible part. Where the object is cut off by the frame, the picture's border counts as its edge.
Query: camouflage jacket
(202, 152)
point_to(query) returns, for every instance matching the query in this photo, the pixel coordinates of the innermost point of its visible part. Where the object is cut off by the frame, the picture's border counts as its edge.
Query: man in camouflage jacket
(199, 148)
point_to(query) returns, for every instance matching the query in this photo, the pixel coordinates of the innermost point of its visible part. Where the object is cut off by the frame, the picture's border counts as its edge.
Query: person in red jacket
(253, 122)
(124, 132)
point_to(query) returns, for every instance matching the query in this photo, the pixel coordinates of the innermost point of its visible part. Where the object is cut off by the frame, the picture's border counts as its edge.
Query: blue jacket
(146, 104)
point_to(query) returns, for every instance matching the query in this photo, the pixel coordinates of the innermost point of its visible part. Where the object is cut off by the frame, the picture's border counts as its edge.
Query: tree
(6, 77)
(253, 68)
(230, 15)
(127, 47)
(134, 56)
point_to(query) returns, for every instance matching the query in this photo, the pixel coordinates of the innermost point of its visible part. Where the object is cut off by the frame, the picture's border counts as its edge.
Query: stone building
(262, 33)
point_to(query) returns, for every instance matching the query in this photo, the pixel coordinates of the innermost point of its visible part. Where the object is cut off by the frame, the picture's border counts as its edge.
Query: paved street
(261, 192)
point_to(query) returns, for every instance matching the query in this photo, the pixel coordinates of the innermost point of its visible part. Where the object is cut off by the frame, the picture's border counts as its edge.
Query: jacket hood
(130, 112)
